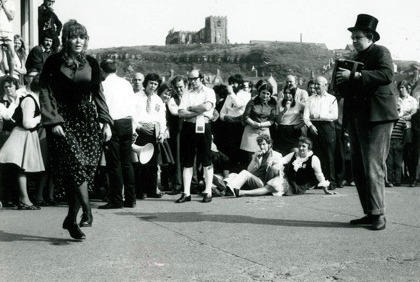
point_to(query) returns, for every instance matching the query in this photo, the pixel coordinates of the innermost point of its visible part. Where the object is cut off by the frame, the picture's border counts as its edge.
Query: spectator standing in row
(300, 94)
(196, 109)
(138, 83)
(20, 59)
(150, 124)
(48, 23)
(179, 86)
(119, 97)
(319, 115)
(231, 115)
(39, 54)
(259, 115)
(408, 107)
(7, 15)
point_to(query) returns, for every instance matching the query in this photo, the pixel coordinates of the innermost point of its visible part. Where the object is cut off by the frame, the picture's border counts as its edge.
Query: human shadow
(179, 217)
(14, 237)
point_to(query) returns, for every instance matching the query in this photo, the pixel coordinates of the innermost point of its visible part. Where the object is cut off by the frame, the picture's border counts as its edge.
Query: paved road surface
(299, 238)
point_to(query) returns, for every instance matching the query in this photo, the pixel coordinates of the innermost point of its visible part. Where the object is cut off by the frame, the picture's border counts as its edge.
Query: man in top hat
(370, 109)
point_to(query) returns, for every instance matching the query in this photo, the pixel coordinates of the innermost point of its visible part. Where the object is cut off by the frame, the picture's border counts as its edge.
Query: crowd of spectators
(229, 140)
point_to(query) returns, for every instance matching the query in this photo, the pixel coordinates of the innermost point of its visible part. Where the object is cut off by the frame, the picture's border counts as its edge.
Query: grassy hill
(276, 58)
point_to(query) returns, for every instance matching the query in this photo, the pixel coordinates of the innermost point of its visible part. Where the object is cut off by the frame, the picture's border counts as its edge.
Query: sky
(113, 23)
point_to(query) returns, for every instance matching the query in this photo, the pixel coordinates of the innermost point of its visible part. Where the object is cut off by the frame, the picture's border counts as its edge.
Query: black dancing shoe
(73, 229)
(86, 220)
(130, 204)
(110, 206)
(207, 198)
(184, 198)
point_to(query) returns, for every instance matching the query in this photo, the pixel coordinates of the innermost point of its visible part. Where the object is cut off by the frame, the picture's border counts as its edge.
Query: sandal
(25, 207)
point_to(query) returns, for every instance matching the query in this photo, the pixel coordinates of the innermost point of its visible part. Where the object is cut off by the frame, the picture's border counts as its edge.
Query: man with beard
(39, 54)
(48, 21)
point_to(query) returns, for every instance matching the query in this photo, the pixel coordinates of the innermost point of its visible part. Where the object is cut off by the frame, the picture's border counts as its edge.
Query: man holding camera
(370, 109)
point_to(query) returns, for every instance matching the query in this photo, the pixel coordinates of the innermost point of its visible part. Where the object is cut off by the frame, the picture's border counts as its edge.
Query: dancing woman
(73, 110)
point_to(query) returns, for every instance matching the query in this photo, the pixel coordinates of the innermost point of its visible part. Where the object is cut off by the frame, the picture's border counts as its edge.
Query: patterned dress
(74, 100)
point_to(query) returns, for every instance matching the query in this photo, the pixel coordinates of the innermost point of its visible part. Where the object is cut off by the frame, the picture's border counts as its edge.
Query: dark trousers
(394, 161)
(147, 174)
(118, 161)
(370, 144)
(340, 158)
(324, 147)
(175, 170)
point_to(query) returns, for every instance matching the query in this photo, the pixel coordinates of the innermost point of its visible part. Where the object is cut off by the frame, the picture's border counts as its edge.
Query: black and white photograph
(209, 140)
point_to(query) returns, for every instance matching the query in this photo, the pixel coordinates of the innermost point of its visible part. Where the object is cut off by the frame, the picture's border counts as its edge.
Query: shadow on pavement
(11, 237)
(199, 217)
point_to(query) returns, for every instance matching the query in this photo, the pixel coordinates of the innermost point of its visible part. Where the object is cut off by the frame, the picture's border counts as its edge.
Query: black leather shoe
(207, 198)
(237, 194)
(110, 206)
(86, 220)
(366, 220)
(379, 223)
(184, 198)
(129, 204)
(156, 195)
(73, 229)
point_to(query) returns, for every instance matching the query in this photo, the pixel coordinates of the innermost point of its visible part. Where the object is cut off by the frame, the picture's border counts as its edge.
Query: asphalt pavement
(297, 238)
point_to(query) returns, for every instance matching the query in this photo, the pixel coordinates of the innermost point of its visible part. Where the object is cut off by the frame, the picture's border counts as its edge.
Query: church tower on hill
(215, 30)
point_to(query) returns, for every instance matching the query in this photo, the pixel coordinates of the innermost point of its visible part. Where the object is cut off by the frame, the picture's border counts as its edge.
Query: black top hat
(366, 23)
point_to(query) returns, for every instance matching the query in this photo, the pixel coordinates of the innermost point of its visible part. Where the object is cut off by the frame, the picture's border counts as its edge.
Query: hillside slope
(277, 58)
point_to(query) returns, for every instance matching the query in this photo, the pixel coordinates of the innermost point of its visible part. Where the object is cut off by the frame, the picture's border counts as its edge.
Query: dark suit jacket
(374, 97)
(36, 58)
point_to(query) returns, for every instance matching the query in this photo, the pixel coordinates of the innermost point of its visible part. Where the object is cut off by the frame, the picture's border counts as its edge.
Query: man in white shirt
(196, 108)
(319, 114)
(119, 97)
(150, 124)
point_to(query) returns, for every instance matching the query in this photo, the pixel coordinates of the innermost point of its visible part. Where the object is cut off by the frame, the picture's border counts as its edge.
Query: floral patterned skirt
(74, 158)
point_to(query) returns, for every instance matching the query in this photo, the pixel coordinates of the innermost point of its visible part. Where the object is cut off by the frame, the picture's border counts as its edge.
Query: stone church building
(214, 32)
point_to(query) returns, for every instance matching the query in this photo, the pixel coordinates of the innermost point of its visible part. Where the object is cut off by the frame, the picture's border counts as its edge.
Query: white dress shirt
(198, 97)
(119, 97)
(320, 108)
(235, 104)
(157, 114)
